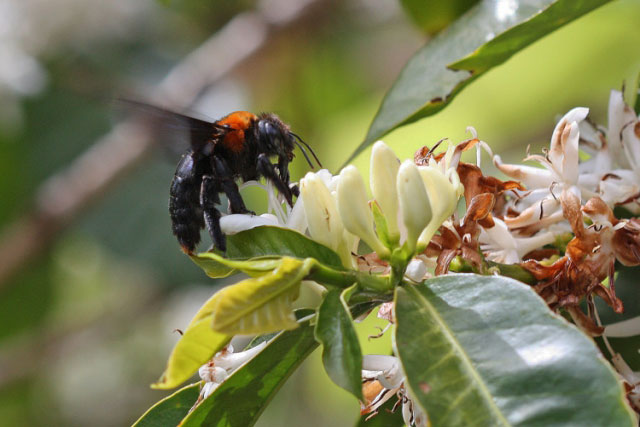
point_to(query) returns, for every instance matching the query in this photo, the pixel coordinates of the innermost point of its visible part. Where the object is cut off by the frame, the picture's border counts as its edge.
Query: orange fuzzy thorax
(240, 122)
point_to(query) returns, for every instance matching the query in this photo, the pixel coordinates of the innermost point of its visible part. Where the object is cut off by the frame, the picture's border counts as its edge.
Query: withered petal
(480, 206)
(584, 322)
(597, 207)
(443, 261)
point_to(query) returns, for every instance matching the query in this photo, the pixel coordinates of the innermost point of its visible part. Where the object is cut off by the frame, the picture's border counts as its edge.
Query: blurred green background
(87, 324)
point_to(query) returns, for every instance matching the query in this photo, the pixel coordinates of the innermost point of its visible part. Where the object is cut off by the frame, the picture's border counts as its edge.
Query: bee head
(275, 138)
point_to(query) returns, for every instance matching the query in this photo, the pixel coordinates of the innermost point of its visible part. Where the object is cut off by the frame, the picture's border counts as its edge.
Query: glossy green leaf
(486, 351)
(267, 244)
(170, 410)
(263, 304)
(341, 354)
(240, 399)
(216, 266)
(434, 15)
(275, 241)
(484, 37)
(197, 345)
(211, 266)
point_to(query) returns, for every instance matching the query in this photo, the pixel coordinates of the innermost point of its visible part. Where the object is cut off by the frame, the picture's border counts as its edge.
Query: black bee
(237, 147)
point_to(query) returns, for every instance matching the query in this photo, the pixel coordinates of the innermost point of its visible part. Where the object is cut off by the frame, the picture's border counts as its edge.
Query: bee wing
(177, 132)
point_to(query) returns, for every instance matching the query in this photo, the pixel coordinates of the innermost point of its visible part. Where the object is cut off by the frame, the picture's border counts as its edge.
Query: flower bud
(384, 170)
(414, 202)
(354, 209)
(323, 219)
(443, 196)
(416, 270)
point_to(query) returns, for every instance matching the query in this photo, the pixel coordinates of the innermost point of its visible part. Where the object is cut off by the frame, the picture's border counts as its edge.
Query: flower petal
(383, 173)
(354, 209)
(414, 202)
(235, 223)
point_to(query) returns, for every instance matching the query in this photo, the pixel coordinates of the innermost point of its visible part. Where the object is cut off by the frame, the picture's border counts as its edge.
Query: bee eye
(269, 134)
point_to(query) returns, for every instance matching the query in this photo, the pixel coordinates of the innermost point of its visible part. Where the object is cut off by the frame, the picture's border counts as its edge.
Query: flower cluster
(409, 204)
(553, 226)
(565, 193)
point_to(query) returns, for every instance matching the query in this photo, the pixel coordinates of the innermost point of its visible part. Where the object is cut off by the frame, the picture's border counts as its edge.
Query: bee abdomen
(184, 203)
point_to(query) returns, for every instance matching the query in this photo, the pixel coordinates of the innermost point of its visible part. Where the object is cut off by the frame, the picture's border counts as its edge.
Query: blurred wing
(176, 131)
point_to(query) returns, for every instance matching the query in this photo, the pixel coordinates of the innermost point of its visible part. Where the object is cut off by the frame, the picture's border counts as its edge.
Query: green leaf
(261, 305)
(198, 344)
(275, 241)
(264, 242)
(341, 354)
(433, 15)
(211, 266)
(483, 350)
(170, 410)
(432, 78)
(217, 266)
(300, 313)
(242, 397)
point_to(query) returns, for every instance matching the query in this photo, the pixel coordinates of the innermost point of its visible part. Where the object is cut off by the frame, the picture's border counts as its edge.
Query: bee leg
(230, 188)
(283, 169)
(268, 170)
(208, 200)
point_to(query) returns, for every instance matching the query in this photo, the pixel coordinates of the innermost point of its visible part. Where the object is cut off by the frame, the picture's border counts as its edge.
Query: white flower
(323, 218)
(355, 211)
(235, 223)
(622, 186)
(623, 143)
(499, 245)
(414, 202)
(280, 213)
(444, 189)
(384, 171)
(560, 173)
(221, 366)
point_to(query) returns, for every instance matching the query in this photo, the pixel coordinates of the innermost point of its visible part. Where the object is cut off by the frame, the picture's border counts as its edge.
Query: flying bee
(237, 147)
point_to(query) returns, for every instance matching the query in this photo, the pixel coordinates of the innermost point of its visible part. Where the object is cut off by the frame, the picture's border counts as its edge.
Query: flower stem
(345, 278)
(514, 271)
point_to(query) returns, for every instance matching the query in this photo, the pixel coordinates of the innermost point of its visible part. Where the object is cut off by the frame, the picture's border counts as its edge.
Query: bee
(238, 147)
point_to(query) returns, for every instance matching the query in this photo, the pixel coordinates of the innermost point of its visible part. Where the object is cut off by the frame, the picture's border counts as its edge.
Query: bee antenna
(306, 156)
(307, 145)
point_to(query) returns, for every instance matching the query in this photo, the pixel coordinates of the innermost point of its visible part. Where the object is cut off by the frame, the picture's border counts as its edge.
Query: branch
(63, 196)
